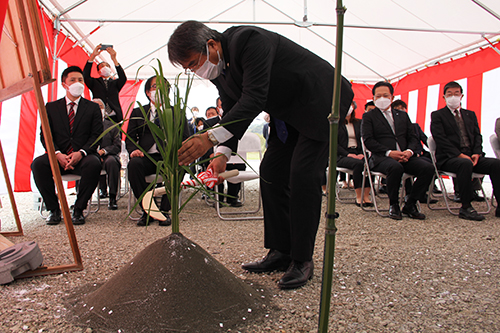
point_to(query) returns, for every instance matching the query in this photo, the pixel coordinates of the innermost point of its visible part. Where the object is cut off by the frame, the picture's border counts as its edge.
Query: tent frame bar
(316, 24)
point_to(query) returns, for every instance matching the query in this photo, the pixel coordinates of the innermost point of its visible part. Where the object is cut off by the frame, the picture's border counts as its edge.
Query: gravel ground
(437, 275)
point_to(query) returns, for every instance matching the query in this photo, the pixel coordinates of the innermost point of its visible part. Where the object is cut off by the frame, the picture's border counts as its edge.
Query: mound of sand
(172, 285)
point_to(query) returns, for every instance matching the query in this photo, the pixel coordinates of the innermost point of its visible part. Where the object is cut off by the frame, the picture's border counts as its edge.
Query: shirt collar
(453, 111)
(77, 101)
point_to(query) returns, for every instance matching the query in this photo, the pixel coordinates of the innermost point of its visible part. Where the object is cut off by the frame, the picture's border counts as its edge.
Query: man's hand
(194, 147)
(407, 155)
(397, 155)
(112, 53)
(475, 158)
(95, 53)
(137, 153)
(63, 160)
(74, 158)
(356, 156)
(102, 152)
(467, 157)
(218, 165)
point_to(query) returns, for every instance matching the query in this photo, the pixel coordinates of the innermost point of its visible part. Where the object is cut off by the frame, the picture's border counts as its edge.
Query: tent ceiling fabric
(378, 38)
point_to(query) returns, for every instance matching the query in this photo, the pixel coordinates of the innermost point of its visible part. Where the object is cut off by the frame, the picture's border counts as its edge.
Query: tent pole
(330, 228)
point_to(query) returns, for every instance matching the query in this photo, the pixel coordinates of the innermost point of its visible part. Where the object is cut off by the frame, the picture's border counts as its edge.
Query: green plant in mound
(168, 136)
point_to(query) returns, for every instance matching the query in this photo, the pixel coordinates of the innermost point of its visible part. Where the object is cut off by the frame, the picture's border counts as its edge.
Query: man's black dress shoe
(273, 261)
(365, 204)
(297, 275)
(456, 198)
(395, 212)
(497, 211)
(412, 211)
(470, 214)
(165, 223)
(435, 190)
(143, 220)
(54, 217)
(234, 202)
(112, 203)
(103, 194)
(477, 197)
(77, 217)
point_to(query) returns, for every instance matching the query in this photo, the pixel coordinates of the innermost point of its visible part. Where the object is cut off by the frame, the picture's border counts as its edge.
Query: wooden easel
(24, 66)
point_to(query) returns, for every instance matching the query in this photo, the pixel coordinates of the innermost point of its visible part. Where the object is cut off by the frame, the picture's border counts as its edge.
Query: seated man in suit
(139, 166)
(105, 87)
(459, 149)
(75, 123)
(109, 153)
(389, 136)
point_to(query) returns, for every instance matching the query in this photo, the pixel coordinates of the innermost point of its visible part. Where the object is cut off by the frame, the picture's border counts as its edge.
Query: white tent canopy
(383, 39)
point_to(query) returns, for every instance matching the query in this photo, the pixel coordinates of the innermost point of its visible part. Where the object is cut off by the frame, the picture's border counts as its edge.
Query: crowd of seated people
(396, 146)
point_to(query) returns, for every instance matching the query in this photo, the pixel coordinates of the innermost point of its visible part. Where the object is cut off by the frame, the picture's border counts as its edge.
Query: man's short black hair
(147, 86)
(383, 84)
(399, 104)
(211, 107)
(188, 38)
(452, 84)
(370, 103)
(68, 70)
(99, 64)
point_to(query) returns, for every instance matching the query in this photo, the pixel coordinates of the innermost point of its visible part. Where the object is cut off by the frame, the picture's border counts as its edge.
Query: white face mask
(76, 89)
(349, 111)
(153, 96)
(200, 127)
(208, 70)
(105, 71)
(383, 103)
(453, 102)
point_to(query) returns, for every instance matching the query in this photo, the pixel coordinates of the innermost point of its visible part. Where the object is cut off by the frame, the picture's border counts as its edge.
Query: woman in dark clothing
(350, 155)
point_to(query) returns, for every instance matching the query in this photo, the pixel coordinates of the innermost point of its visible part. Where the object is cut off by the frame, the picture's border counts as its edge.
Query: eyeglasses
(457, 94)
(153, 86)
(191, 68)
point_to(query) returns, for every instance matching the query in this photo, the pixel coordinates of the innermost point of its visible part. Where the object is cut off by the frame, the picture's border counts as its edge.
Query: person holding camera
(105, 87)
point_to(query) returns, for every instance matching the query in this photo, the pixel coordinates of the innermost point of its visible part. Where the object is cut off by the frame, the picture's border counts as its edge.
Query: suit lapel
(469, 124)
(62, 113)
(451, 119)
(80, 112)
(383, 119)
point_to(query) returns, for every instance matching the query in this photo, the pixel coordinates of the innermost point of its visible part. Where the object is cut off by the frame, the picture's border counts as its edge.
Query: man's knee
(134, 164)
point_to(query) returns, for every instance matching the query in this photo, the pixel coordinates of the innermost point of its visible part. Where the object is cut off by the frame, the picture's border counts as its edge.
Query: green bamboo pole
(331, 229)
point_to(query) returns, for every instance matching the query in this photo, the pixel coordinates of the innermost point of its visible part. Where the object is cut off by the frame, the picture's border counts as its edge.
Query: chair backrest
(431, 144)
(249, 143)
(495, 144)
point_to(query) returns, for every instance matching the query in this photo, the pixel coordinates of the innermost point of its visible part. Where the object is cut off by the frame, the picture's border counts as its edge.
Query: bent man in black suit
(109, 151)
(105, 87)
(459, 149)
(257, 70)
(75, 123)
(389, 136)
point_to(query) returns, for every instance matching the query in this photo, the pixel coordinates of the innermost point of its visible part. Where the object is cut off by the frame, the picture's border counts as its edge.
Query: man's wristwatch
(212, 138)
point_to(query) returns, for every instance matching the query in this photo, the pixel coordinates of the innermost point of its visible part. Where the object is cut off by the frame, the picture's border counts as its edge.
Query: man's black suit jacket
(87, 126)
(109, 96)
(111, 142)
(267, 72)
(343, 140)
(379, 137)
(140, 132)
(446, 134)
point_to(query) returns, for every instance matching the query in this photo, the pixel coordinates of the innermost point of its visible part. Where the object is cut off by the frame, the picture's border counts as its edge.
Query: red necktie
(71, 118)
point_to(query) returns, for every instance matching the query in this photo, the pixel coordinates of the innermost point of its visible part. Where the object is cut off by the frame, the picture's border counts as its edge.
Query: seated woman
(350, 155)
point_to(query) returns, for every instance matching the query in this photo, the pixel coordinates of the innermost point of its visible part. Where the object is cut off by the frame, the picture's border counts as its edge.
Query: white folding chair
(439, 174)
(370, 174)
(495, 145)
(338, 187)
(249, 143)
(70, 178)
(149, 179)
